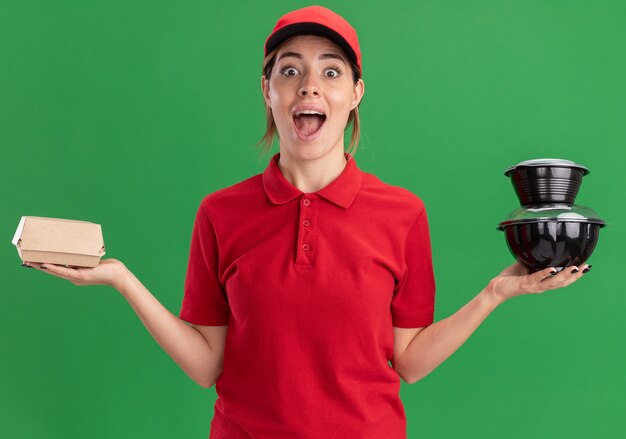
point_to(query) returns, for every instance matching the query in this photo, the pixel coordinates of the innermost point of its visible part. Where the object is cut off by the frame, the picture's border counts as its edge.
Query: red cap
(316, 20)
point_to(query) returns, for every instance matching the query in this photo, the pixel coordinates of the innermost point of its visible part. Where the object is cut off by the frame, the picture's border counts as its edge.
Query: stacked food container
(549, 230)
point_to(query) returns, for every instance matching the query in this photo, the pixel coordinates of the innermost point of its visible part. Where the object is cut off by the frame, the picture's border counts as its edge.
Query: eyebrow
(323, 56)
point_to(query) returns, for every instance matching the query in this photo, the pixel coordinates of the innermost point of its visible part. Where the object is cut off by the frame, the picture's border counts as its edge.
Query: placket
(307, 231)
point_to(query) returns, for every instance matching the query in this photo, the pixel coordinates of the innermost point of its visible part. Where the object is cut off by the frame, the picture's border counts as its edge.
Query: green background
(128, 113)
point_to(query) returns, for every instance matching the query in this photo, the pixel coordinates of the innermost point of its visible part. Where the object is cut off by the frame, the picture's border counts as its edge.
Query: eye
(286, 69)
(337, 71)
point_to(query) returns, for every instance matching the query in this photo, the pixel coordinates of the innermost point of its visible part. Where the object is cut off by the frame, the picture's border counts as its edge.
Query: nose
(309, 87)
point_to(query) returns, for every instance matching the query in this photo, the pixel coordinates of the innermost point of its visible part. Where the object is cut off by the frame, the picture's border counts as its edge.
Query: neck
(312, 175)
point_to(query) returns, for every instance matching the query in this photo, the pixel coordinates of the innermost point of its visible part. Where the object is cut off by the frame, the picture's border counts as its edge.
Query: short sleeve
(413, 302)
(205, 301)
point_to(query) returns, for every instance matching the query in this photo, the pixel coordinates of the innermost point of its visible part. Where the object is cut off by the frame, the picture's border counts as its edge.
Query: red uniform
(310, 286)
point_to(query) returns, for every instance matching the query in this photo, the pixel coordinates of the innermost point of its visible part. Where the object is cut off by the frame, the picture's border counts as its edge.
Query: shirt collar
(340, 191)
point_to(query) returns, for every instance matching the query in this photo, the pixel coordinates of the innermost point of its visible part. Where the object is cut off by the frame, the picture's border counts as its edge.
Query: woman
(305, 282)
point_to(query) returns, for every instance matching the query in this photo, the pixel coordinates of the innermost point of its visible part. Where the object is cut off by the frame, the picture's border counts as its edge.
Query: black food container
(556, 235)
(546, 181)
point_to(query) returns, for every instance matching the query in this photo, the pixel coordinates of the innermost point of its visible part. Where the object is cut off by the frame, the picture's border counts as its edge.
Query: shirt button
(306, 201)
(305, 247)
(306, 223)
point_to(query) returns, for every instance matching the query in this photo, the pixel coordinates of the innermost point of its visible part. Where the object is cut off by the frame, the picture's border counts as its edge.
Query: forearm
(430, 347)
(187, 347)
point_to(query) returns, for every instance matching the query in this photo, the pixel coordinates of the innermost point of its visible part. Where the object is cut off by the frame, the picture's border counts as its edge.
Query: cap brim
(309, 28)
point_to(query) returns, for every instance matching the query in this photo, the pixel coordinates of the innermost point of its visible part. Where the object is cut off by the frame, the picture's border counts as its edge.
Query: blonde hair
(271, 131)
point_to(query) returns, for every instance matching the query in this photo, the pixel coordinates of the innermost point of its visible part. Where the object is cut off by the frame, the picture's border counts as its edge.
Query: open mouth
(308, 122)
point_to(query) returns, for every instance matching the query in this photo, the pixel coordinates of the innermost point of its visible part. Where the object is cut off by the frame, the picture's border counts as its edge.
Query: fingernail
(575, 270)
(44, 267)
(552, 273)
(24, 264)
(587, 269)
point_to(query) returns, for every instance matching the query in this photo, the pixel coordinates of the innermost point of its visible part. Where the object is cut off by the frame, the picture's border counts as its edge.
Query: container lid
(561, 163)
(552, 212)
(59, 235)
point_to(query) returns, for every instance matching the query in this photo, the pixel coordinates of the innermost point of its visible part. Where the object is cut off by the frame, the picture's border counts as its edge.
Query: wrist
(490, 292)
(121, 279)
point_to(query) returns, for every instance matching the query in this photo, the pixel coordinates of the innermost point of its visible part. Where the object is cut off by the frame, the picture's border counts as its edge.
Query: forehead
(310, 43)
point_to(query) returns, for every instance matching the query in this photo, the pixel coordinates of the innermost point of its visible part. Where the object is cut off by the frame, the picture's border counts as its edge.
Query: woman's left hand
(516, 280)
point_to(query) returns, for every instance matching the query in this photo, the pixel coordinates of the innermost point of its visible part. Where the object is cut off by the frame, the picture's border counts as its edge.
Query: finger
(545, 275)
(574, 273)
(32, 264)
(539, 281)
(565, 277)
(60, 270)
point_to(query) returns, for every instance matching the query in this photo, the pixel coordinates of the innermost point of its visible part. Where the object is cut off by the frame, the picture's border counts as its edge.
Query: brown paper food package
(59, 241)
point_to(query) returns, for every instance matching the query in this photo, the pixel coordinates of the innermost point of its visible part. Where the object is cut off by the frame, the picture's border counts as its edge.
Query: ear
(358, 91)
(265, 87)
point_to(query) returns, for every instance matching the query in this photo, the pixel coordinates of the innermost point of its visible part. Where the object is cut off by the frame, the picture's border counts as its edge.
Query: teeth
(298, 113)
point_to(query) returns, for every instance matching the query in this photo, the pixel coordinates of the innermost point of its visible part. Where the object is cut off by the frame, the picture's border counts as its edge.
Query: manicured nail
(587, 269)
(575, 270)
(43, 266)
(24, 264)
(552, 273)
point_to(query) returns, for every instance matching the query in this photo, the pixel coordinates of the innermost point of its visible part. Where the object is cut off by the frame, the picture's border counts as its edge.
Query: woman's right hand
(109, 272)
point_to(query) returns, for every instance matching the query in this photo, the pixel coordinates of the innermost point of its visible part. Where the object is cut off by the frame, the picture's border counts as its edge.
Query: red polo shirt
(310, 286)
